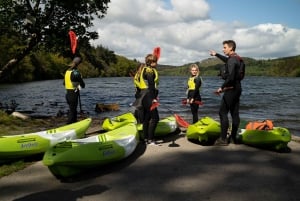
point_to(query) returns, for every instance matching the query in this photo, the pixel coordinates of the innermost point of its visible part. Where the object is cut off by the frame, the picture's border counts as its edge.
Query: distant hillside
(286, 67)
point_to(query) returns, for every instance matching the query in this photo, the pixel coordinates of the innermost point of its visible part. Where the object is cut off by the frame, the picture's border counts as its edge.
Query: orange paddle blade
(181, 122)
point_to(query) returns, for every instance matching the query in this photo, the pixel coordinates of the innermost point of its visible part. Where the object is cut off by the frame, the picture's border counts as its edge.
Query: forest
(35, 45)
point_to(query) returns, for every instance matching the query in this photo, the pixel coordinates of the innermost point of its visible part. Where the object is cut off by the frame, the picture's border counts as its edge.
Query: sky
(186, 30)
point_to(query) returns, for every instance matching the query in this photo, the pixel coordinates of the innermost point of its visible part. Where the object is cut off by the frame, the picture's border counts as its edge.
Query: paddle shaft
(79, 100)
(181, 122)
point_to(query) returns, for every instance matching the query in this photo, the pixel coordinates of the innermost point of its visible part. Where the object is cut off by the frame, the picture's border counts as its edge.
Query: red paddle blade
(199, 102)
(184, 102)
(181, 122)
(73, 41)
(154, 105)
(156, 52)
(217, 93)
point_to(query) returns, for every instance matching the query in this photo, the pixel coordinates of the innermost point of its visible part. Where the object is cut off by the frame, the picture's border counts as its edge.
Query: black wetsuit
(195, 94)
(72, 96)
(231, 97)
(151, 118)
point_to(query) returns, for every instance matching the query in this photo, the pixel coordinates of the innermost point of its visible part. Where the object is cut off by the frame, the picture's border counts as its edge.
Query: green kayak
(205, 131)
(118, 121)
(75, 156)
(275, 139)
(24, 145)
(164, 127)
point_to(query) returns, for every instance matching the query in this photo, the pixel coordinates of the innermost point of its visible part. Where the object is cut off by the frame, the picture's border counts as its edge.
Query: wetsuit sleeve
(76, 77)
(232, 65)
(222, 57)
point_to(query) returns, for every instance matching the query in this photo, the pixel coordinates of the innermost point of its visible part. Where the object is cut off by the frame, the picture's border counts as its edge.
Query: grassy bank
(10, 125)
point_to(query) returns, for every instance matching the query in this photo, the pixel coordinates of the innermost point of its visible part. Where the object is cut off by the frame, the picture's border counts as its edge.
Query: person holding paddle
(232, 91)
(147, 100)
(73, 82)
(193, 91)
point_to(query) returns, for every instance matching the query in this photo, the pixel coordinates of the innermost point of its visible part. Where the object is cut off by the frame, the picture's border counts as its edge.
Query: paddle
(154, 105)
(79, 100)
(156, 52)
(225, 89)
(184, 102)
(73, 41)
(180, 121)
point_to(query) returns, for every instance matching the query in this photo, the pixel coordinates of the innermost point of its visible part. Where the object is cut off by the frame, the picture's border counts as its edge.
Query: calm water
(262, 98)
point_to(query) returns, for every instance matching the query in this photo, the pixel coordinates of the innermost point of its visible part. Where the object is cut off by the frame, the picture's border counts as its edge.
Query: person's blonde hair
(195, 66)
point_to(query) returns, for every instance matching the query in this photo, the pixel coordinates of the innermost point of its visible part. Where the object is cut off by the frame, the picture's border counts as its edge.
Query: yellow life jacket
(136, 79)
(68, 82)
(191, 83)
(141, 83)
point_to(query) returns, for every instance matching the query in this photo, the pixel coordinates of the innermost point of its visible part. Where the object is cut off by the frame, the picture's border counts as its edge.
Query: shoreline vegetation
(11, 125)
(49, 66)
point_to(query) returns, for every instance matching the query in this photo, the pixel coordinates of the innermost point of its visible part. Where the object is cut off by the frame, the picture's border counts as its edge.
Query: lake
(262, 98)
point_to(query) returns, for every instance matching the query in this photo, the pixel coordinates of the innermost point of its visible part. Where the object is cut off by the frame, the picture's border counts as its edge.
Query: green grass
(10, 125)
(7, 169)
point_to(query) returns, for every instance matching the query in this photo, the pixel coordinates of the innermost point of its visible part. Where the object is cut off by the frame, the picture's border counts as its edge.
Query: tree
(45, 24)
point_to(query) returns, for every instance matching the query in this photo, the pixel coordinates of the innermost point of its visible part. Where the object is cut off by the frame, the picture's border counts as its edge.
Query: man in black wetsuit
(232, 91)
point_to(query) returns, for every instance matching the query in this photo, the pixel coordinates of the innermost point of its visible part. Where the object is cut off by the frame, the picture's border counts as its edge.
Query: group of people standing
(146, 82)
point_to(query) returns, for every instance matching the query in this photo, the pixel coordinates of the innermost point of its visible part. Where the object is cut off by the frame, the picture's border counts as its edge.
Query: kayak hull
(25, 145)
(205, 131)
(72, 157)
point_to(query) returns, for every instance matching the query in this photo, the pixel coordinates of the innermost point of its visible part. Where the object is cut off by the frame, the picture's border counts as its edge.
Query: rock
(20, 115)
(100, 107)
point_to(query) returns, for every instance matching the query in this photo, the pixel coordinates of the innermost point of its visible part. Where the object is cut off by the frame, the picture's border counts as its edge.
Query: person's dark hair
(76, 61)
(230, 43)
(150, 58)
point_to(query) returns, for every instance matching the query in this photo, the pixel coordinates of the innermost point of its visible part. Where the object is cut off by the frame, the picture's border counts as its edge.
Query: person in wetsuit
(73, 82)
(147, 97)
(232, 91)
(193, 92)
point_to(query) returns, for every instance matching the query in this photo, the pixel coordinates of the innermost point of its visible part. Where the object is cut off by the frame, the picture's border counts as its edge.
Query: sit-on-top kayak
(205, 131)
(118, 121)
(275, 139)
(72, 157)
(24, 145)
(164, 127)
